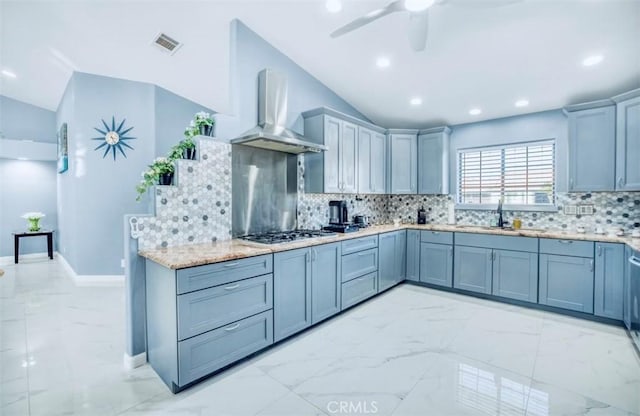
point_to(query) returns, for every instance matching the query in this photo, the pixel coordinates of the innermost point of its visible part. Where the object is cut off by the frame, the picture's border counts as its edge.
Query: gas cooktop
(286, 236)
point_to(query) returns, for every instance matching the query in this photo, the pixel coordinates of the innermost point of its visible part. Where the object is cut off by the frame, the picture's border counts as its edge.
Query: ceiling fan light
(333, 6)
(418, 5)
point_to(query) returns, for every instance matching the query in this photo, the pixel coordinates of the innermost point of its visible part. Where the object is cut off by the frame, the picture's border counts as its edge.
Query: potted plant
(160, 172)
(33, 220)
(204, 122)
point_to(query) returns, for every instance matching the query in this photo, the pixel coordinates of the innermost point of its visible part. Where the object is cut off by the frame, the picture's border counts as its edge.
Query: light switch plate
(585, 209)
(570, 210)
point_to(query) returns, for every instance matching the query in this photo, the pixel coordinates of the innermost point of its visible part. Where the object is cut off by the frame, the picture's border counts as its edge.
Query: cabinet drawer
(566, 247)
(206, 353)
(357, 264)
(438, 237)
(211, 308)
(359, 244)
(500, 242)
(359, 289)
(202, 277)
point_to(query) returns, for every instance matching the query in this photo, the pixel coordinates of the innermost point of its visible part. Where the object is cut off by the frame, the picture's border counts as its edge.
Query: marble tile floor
(410, 352)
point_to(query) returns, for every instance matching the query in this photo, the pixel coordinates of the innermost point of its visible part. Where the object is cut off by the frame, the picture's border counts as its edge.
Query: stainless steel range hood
(271, 132)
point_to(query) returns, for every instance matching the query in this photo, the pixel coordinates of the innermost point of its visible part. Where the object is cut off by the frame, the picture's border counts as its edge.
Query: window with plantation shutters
(521, 175)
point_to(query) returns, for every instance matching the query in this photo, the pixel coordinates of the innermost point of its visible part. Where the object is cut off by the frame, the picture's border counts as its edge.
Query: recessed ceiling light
(334, 6)
(593, 60)
(522, 103)
(8, 73)
(23, 158)
(475, 111)
(416, 101)
(418, 5)
(383, 62)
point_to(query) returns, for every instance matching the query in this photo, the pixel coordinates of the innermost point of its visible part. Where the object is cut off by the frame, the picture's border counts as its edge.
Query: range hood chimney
(271, 132)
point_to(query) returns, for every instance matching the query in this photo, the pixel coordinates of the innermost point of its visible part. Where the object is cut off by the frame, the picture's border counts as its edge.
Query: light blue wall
(251, 54)
(527, 127)
(26, 186)
(22, 121)
(172, 115)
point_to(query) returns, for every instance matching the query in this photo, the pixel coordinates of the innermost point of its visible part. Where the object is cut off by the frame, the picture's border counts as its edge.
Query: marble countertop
(180, 257)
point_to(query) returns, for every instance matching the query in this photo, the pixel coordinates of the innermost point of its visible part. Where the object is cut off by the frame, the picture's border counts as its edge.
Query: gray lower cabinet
(305, 281)
(515, 275)
(436, 264)
(325, 281)
(392, 259)
(359, 270)
(361, 288)
(609, 280)
(626, 288)
(566, 282)
(473, 267)
(413, 255)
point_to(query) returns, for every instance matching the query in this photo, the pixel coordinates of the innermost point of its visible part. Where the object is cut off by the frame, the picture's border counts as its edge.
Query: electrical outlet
(122, 263)
(570, 210)
(585, 209)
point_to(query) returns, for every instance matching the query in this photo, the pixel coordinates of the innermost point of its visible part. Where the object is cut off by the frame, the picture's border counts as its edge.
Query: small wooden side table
(18, 236)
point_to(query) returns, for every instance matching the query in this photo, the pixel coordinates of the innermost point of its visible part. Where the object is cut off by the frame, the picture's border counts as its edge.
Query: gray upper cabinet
(515, 275)
(628, 141)
(349, 158)
(403, 159)
(566, 282)
(413, 255)
(372, 153)
(392, 259)
(473, 267)
(326, 281)
(291, 292)
(609, 280)
(592, 147)
(433, 161)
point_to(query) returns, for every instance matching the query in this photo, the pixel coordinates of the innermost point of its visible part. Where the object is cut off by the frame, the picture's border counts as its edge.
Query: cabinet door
(332, 139)
(378, 173)
(387, 268)
(401, 256)
(403, 159)
(349, 158)
(433, 164)
(436, 264)
(592, 149)
(472, 269)
(291, 292)
(626, 294)
(566, 282)
(413, 255)
(628, 145)
(365, 180)
(609, 280)
(325, 281)
(515, 275)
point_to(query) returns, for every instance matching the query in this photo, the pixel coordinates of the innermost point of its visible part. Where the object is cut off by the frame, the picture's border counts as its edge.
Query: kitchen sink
(485, 227)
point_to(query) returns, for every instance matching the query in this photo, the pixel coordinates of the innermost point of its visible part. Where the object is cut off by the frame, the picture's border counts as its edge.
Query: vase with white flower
(33, 220)
(204, 122)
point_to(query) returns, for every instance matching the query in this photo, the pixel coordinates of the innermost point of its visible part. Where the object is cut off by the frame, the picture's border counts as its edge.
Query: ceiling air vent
(166, 43)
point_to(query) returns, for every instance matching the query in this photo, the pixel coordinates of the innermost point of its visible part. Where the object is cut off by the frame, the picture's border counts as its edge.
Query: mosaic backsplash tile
(198, 209)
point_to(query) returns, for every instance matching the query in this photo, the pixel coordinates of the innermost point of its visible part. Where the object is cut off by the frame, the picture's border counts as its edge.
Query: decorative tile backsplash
(198, 210)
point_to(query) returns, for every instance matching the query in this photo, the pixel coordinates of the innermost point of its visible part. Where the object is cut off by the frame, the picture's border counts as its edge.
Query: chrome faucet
(500, 218)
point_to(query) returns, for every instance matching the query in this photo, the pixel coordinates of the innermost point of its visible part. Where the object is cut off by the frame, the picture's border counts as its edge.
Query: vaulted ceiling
(485, 58)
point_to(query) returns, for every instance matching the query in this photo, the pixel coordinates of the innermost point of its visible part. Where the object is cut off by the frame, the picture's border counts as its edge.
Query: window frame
(552, 207)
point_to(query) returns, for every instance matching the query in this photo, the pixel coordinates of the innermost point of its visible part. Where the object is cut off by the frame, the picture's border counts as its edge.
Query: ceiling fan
(418, 16)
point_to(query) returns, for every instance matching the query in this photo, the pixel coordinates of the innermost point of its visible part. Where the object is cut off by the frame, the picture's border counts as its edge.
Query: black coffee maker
(339, 218)
(338, 212)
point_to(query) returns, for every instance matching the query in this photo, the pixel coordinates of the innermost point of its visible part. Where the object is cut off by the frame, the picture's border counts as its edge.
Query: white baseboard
(136, 361)
(9, 260)
(90, 280)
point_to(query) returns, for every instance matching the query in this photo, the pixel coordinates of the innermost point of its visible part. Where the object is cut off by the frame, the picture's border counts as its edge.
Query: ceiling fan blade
(418, 30)
(481, 4)
(392, 7)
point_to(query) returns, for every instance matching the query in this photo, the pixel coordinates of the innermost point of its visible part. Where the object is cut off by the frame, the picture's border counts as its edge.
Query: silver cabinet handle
(450, 251)
(314, 254)
(363, 254)
(571, 183)
(232, 327)
(590, 265)
(435, 232)
(237, 285)
(307, 257)
(231, 264)
(565, 241)
(599, 250)
(620, 182)
(635, 261)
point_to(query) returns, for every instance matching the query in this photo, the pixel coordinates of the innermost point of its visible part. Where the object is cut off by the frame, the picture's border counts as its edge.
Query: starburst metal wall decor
(113, 138)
